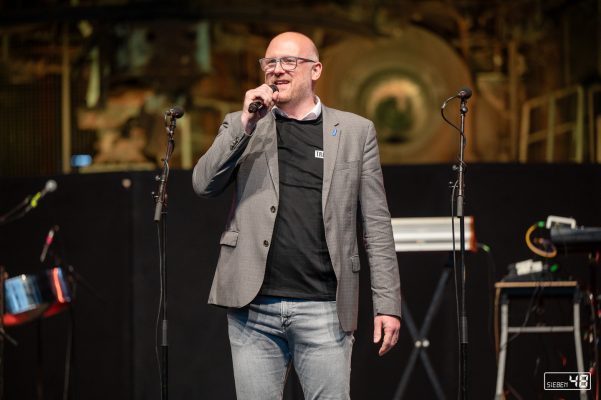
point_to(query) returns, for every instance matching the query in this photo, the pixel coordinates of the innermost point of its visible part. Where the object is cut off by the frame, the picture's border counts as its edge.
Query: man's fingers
(391, 326)
(395, 337)
(269, 95)
(264, 95)
(377, 330)
(387, 343)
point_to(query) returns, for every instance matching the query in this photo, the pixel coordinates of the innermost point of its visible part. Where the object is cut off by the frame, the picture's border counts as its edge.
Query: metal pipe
(66, 103)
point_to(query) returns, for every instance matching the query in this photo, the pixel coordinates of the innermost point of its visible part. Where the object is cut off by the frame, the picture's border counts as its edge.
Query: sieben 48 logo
(567, 381)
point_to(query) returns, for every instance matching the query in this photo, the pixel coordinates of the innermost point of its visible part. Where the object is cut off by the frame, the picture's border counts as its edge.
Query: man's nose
(278, 64)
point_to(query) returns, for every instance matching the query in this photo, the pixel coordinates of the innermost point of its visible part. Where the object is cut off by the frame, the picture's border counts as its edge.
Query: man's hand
(265, 95)
(391, 326)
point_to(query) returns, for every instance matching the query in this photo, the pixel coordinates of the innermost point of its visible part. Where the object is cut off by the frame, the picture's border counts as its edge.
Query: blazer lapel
(268, 130)
(331, 138)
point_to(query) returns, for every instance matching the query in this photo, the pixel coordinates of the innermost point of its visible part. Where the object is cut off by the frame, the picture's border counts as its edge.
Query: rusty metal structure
(79, 77)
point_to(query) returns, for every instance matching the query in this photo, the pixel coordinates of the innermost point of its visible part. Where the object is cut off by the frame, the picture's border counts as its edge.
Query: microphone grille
(50, 186)
(465, 92)
(176, 112)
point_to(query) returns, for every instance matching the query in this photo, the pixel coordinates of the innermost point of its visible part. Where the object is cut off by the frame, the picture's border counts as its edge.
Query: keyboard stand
(421, 342)
(505, 290)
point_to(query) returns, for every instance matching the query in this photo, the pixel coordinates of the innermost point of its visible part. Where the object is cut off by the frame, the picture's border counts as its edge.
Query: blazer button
(272, 209)
(265, 243)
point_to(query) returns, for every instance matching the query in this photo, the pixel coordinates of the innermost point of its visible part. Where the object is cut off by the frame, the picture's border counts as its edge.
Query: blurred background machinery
(83, 84)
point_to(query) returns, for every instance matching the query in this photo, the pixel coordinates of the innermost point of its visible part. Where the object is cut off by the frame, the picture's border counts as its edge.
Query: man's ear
(316, 71)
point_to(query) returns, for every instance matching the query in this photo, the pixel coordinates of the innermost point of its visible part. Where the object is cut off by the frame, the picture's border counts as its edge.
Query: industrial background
(83, 88)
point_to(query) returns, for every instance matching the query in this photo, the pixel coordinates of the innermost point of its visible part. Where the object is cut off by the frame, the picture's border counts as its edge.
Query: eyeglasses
(288, 63)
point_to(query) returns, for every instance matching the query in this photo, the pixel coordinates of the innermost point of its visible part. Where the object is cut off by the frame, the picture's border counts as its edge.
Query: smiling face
(296, 87)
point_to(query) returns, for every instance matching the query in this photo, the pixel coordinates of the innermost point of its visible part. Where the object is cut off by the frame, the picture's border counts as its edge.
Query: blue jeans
(271, 332)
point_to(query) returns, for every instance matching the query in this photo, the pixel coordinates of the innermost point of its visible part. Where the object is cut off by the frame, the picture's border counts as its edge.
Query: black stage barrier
(108, 235)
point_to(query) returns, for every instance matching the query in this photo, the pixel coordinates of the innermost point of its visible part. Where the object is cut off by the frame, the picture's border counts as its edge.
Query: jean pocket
(355, 264)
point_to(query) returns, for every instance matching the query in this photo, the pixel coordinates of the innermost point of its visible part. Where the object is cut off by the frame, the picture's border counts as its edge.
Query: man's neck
(298, 111)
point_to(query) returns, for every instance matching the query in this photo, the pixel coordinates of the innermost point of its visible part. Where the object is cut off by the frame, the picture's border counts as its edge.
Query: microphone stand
(12, 215)
(27, 204)
(54, 249)
(460, 213)
(160, 217)
(460, 185)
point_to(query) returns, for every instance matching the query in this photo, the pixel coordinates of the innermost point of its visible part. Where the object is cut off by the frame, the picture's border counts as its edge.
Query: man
(289, 265)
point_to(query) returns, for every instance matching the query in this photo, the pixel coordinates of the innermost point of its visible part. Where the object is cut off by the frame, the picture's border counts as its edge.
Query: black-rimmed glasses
(288, 63)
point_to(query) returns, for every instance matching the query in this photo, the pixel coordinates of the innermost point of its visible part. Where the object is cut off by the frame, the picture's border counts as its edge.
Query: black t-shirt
(298, 264)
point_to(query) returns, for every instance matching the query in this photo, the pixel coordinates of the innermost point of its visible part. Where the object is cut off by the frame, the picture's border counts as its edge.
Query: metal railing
(548, 135)
(594, 123)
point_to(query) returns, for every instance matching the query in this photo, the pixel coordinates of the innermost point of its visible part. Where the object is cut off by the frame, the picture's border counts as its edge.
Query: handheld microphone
(50, 187)
(175, 112)
(464, 93)
(257, 105)
(48, 242)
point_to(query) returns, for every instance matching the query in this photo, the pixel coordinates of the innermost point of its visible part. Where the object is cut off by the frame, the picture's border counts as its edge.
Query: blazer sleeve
(377, 232)
(216, 169)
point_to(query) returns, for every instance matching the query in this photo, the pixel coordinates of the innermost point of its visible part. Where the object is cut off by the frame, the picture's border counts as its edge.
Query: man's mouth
(281, 82)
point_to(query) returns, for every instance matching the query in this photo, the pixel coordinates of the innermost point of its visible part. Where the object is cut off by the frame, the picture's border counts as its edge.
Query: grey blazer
(352, 176)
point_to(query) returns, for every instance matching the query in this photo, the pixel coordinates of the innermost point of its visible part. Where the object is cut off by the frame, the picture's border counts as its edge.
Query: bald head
(292, 43)
(296, 85)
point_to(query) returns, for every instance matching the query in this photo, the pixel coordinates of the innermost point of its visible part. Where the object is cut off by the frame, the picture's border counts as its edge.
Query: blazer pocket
(346, 165)
(229, 238)
(355, 264)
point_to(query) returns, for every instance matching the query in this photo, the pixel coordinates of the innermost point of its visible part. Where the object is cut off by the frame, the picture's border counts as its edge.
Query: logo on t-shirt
(318, 153)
